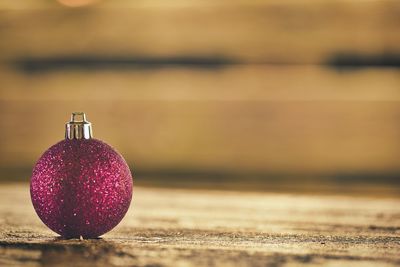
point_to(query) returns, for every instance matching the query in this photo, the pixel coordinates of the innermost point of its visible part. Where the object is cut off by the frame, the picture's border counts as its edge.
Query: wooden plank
(237, 119)
(201, 228)
(244, 31)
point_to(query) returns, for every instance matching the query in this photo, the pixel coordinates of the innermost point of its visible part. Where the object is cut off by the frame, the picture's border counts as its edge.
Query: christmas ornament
(81, 187)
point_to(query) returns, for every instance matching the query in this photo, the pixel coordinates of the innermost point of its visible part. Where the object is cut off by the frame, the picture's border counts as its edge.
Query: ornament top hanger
(78, 127)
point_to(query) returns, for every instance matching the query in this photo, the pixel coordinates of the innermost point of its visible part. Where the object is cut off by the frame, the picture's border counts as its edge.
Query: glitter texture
(81, 188)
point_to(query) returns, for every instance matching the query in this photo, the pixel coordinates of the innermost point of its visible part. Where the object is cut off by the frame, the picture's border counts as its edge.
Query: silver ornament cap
(78, 127)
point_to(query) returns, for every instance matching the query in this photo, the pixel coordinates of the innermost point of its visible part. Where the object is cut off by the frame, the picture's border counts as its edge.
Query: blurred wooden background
(220, 91)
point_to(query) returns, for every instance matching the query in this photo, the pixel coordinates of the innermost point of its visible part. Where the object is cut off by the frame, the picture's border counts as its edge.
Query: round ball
(81, 188)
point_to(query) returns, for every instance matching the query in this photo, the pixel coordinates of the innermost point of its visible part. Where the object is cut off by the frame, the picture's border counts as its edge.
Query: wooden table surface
(171, 227)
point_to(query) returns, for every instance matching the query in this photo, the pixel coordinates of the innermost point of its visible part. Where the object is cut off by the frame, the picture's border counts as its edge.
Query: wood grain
(247, 31)
(167, 227)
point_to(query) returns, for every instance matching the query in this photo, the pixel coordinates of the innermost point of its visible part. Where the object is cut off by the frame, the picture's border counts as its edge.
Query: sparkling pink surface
(81, 188)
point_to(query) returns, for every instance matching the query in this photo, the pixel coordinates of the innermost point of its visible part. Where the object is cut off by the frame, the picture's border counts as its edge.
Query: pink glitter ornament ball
(81, 186)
